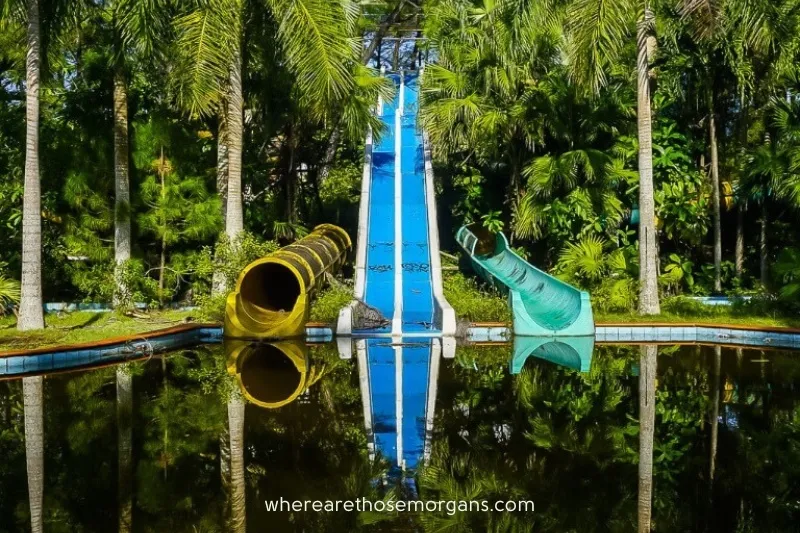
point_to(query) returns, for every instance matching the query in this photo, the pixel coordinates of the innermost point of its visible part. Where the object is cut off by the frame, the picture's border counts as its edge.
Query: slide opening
(487, 241)
(269, 375)
(269, 288)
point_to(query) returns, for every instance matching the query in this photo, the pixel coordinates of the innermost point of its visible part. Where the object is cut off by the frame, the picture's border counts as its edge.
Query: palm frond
(206, 43)
(317, 37)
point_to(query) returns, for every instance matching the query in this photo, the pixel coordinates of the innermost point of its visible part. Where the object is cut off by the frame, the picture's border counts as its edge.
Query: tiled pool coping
(656, 333)
(118, 349)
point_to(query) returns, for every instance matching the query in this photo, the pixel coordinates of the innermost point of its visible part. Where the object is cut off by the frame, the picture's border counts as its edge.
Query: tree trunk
(330, 154)
(715, 200)
(234, 217)
(125, 447)
(237, 493)
(739, 242)
(163, 261)
(762, 249)
(33, 403)
(379, 34)
(31, 307)
(222, 158)
(647, 421)
(219, 284)
(648, 251)
(291, 184)
(122, 186)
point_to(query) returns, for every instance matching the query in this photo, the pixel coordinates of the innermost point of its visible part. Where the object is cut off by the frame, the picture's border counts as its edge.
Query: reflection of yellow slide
(272, 296)
(271, 375)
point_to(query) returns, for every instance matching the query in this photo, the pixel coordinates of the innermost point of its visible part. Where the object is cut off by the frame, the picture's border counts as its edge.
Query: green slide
(541, 304)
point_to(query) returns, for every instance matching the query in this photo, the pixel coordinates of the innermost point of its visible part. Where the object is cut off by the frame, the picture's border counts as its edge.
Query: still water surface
(170, 445)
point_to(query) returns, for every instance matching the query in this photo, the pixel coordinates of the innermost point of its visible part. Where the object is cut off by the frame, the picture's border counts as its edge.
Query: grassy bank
(81, 326)
(723, 317)
(470, 300)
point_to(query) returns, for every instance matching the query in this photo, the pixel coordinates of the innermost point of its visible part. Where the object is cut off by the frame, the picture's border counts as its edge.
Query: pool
(179, 442)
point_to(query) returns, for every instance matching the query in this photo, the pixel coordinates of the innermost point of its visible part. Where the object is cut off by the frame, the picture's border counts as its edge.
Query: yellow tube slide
(272, 296)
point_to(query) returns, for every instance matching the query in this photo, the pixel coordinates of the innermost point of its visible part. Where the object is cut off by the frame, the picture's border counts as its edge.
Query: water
(726, 443)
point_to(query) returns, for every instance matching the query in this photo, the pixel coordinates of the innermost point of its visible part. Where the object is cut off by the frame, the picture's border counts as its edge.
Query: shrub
(473, 303)
(329, 301)
(9, 293)
(227, 259)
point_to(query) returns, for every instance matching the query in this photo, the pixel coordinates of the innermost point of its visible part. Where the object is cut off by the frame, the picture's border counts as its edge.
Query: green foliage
(9, 292)
(788, 269)
(212, 306)
(609, 275)
(229, 259)
(491, 221)
(677, 274)
(326, 304)
(470, 302)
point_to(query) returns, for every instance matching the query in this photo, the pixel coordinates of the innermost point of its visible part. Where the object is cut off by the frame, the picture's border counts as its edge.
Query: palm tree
(772, 170)
(316, 38)
(647, 420)
(33, 402)
(122, 185)
(598, 31)
(125, 447)
(234, 213)
(238, 498)
(138, 27)
(31, 308)
(490, 58)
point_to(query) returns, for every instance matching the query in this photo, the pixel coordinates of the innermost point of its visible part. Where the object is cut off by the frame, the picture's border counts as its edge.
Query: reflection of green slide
(541, 304)
(566, 351)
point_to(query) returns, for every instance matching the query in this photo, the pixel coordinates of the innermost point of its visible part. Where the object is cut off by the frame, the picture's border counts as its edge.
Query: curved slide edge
(568, 351)
(541, 304)
(344, 324)
(444, 314)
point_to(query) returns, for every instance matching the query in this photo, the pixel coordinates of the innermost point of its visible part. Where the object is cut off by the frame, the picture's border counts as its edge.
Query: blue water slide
(398, 269)
(418, 299)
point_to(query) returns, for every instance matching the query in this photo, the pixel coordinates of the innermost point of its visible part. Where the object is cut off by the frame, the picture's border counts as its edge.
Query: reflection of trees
(314, 448)
(758, 455)
(124, 447)
(181, 417)
(647, 420)
(237, 521)
(564, 440)
(33, 392)
(554, 435)
(13, 484)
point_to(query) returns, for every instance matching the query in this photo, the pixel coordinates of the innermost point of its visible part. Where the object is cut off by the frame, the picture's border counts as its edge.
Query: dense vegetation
(633, 146)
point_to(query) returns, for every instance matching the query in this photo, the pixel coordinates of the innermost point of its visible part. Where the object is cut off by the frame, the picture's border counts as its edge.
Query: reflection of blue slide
(541, 304)
(399, 393)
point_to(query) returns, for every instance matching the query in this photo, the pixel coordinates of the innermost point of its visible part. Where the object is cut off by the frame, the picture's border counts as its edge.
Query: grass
(472, 303)
(726, 316)
(758, 312)
(326, 306)
(82, 326)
